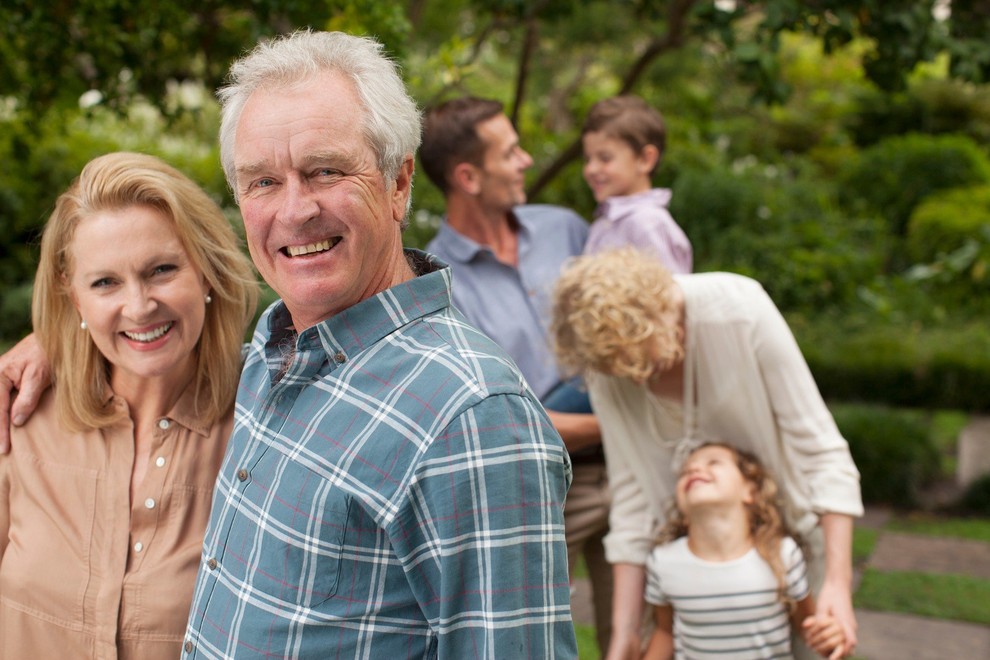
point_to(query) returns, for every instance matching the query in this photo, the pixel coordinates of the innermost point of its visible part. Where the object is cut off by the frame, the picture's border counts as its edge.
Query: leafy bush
(784, 232)
(893, 451)
(15, 311)
(910, 365)
(944, 222)
(894, 176)
(706, 204)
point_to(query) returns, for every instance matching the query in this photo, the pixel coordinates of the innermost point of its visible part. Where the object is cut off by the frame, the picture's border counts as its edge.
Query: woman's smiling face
(139, 293)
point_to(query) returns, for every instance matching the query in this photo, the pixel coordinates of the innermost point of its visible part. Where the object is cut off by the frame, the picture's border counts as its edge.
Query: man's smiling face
(322, 224)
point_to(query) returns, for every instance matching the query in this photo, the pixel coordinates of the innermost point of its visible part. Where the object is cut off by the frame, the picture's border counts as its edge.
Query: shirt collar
(614, 208)
(183, 412)
(463, 250)
(372, 319)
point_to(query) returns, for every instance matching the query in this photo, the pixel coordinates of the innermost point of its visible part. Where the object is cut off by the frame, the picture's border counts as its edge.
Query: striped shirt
(397, 493)
(725, 609)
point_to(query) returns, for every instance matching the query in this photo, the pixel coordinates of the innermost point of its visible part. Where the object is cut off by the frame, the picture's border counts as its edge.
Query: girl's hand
(825, 635)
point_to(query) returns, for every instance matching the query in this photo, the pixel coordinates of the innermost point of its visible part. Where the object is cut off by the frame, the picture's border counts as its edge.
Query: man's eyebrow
(330, 156)
(250, 170)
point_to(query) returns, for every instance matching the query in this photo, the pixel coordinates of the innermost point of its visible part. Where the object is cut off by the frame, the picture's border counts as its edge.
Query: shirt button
(138, 547)
(160, 461)
(149, 503)
(163, 423)
(212, 563)
(242, 474)
(188, 647)
(339, 358)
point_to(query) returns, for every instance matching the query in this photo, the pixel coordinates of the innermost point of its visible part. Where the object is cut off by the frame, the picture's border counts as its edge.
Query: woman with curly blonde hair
(670, 360)
(727, 570)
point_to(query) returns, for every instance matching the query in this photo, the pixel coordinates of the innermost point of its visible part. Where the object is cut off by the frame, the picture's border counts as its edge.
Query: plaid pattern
(397, 493)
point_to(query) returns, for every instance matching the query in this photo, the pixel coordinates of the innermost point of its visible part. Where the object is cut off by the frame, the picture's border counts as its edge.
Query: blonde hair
(115, 182)
(611, 314)
(767, 524)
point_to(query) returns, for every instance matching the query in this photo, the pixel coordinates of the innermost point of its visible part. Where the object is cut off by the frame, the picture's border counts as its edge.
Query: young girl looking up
(727, 579)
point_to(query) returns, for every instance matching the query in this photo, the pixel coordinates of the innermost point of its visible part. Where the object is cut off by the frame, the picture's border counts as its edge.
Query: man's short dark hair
(450, 137)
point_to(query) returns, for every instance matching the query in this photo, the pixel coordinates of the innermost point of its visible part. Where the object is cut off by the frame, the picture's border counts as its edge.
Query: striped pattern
(398, 493)
(725, 609)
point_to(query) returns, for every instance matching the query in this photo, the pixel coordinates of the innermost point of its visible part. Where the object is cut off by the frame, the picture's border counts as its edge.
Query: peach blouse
(85, 572)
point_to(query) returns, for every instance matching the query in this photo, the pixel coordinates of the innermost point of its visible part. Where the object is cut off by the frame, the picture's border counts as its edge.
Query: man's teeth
(150, 336)
(299, 250)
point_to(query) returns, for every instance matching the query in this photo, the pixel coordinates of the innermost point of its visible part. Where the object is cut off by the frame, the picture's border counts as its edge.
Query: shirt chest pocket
(296, 547)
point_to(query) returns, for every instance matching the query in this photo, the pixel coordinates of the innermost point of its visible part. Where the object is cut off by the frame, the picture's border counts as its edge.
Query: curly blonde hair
(767, 524)
(611, 315)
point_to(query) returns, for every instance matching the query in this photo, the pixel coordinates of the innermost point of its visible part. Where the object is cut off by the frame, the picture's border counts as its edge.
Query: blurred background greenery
(837, 152)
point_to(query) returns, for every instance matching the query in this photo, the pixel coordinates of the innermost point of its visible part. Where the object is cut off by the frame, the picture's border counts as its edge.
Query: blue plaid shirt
(396, 493)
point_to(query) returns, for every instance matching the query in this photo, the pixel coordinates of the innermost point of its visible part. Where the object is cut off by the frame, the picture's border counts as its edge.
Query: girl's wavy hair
(767, 524)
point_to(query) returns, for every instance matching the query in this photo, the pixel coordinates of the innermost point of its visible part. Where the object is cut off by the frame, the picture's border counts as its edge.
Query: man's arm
(578, 430)
(23, 368)
(481, 534)
(627, 611)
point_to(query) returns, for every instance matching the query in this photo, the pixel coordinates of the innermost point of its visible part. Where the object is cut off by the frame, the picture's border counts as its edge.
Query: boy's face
(612, 168)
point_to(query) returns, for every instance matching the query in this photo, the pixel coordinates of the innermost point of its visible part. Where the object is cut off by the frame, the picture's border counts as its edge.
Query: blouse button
(242, 474)
(189, 647)
(212, 564)
(339, 358)
(138, 547)
(160, 461)
(149, 503)
(163, 423)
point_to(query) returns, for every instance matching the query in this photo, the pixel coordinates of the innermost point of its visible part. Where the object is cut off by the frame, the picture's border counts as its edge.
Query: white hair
(392, 126)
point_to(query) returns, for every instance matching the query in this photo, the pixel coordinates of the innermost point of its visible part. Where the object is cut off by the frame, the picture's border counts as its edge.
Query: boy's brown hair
(630, 119)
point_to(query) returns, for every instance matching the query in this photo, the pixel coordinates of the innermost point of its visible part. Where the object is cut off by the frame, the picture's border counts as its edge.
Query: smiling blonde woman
(141, 301)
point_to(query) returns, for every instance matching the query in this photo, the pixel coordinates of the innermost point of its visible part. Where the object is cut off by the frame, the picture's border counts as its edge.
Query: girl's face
(711, 477)
(612, 168)
(139, 293)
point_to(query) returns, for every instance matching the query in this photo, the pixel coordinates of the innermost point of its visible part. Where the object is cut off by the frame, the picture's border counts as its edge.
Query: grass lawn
(976, 529)
(587, 646)
(955, 597)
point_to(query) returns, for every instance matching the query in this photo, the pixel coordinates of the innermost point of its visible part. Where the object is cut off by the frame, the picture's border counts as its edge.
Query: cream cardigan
(753, 389)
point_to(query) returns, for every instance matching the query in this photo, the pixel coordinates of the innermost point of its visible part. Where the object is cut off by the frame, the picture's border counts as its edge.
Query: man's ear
(467, 178)
(402, 192)
(649, 157)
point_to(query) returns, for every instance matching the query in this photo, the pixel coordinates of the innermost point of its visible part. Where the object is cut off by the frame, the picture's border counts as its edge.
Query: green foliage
(945, 221)
(51, 53)
(893, 451)
(15, 311)
(894, 176)
(51, 156)
(863, 358)
(953, 597)
(783, 232)
(934, 106)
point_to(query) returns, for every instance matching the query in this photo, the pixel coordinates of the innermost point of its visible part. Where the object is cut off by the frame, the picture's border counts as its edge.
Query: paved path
(891, 636)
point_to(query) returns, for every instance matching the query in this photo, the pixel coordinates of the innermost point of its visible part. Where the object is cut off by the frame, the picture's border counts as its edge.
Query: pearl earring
(208, 298)
(83, 325)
